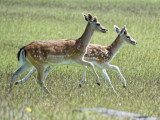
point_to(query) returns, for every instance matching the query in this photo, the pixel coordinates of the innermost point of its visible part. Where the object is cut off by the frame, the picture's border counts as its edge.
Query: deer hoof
(16, 83)
(98, 84)
(124, 86)
(80, 85)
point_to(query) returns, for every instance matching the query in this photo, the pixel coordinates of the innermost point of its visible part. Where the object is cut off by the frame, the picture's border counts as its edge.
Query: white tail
(42, 54)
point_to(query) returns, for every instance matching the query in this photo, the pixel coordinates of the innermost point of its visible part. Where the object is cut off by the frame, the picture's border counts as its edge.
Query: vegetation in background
(25, 21)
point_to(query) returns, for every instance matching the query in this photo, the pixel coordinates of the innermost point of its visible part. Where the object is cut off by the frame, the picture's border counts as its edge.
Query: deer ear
(89, 17)
(95, 18)
(117, 29)
(123, 30)
(85, 16)
(125, 27)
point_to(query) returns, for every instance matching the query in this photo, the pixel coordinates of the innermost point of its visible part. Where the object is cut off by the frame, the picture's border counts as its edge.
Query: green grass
(24, 21)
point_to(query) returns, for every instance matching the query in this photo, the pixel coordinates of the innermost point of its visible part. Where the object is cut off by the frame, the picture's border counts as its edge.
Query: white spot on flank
(40, 58)
(96, 53)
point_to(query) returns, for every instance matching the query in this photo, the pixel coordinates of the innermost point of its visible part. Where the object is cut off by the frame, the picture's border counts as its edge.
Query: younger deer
(101, 56)
(42, 54)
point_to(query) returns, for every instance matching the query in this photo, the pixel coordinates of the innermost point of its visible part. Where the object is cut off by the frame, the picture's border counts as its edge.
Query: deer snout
(133, 42)
(104, 30)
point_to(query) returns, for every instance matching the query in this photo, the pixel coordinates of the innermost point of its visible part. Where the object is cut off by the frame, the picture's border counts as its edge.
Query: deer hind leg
(19, 71)
(116, 68)
(108, 80)
(26, 77)
(84, 76)
(30, 73)
(86, 63)
(41, 77)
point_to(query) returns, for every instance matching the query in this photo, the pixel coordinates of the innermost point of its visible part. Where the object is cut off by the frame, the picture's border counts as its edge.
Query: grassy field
(24, 21)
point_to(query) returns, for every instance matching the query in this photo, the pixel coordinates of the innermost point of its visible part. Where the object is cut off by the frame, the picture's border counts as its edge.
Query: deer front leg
(84, 76)
(47, 70)
(108, 80)
(116, 68)
(86, 63)
(41, 77)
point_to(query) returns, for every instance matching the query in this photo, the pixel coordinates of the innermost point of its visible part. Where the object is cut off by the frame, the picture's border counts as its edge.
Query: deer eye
(98, 24)
(127, 37)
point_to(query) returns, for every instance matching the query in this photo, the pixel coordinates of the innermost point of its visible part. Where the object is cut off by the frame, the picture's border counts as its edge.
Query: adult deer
(42, 54)
(101, 56)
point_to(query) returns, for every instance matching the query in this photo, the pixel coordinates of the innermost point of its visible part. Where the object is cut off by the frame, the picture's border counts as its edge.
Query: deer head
(124, 35)
(93, 21)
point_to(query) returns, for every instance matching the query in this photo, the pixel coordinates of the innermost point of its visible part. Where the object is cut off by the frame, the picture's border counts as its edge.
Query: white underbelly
(60, 60)
(65, 60)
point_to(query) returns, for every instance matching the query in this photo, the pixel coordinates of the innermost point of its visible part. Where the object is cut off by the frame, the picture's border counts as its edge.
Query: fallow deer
(42, 54)
(101, 56)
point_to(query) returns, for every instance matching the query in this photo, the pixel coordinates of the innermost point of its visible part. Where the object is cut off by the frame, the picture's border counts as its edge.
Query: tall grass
(24, 21)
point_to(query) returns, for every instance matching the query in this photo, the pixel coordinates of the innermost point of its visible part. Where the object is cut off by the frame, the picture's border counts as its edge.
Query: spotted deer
(101, 56)
(44, 55)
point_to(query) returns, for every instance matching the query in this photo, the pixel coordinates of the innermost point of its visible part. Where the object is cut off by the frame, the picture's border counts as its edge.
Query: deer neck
(115, 46)
(84, 40)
